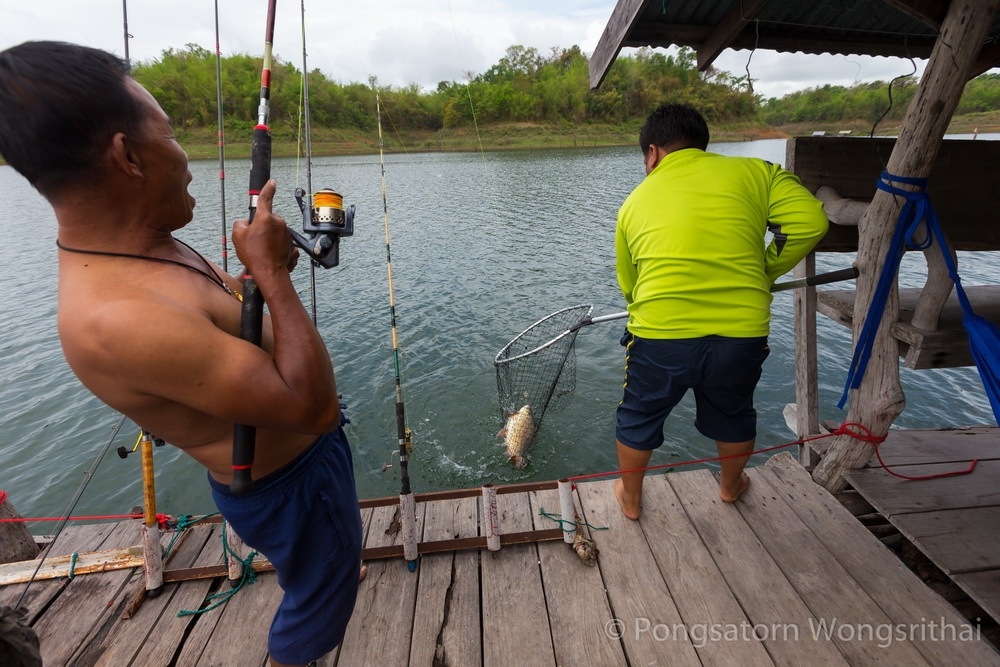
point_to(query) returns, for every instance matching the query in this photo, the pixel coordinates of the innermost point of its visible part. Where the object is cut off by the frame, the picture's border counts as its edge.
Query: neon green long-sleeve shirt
(690, 244)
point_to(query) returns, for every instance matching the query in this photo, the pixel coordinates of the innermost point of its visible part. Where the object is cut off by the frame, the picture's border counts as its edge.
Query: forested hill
(524, 86)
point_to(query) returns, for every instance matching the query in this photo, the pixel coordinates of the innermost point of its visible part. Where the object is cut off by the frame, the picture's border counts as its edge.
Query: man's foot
(363, 573)
(629, 509)
(731, 496)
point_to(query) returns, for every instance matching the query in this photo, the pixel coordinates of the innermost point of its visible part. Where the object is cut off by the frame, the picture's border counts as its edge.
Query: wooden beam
(741, 13)
(988, 58)
(929, 12)
(624, 16)
(879, 399)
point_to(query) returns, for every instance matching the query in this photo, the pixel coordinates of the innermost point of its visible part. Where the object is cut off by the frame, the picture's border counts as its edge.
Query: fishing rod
(324, 221)
(252, 316)
(89, 475)
(222, 142)
(407, 504)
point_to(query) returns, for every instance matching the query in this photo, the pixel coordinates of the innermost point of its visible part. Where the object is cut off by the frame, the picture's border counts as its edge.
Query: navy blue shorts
(723, 372)
(305, 519)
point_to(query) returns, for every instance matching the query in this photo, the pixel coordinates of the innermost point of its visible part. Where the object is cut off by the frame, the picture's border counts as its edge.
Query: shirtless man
(152, 328)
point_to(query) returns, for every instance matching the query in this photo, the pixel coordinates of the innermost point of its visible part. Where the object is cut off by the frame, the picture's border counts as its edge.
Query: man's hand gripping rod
(327, 223)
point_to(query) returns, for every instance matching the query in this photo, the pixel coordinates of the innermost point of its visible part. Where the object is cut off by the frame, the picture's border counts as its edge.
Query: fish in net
(538, 367)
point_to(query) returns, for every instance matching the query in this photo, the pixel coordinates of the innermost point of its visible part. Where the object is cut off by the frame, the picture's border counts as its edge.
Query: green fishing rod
(407, 504)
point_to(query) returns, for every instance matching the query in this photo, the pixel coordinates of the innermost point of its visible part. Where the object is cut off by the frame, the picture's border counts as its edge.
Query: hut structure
(960, 39)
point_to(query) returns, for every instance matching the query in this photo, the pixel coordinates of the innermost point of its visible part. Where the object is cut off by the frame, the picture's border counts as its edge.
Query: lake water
(483, 245)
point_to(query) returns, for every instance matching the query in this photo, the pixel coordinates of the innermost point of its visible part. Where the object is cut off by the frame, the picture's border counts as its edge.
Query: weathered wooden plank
(624, 16)
(984, 588)
(914, 446)
(240, 633)
(446, 627)
(88, 601)
(72, 539)
(696, 585)
(896, 589)
(645, 616)
(127, 637)
(763, 590)
(963, 540)
(963, 181)
(191, 633)
(833, 596)
(515, 622)
(54, 567)
(946, 347)
(891, 495)
(382, 622)
(577, 605)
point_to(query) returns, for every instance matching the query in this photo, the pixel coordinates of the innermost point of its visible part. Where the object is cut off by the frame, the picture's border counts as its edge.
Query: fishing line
(222, 142)
(468, 88)
(89, 475)
(304, 115)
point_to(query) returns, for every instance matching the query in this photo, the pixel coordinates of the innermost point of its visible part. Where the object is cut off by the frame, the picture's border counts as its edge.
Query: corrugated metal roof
(849, 27)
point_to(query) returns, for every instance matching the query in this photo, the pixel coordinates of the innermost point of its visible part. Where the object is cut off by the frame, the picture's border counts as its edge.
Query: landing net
(538, 367)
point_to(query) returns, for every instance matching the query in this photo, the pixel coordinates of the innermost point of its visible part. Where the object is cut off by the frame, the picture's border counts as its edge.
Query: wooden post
(150, 532)
(879, 399)
(16, 542)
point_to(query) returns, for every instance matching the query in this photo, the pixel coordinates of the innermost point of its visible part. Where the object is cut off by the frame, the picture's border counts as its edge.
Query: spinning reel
(324, 221)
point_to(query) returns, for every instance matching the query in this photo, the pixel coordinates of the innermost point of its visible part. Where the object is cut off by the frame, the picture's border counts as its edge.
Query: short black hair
(671, 123)
(60, 105)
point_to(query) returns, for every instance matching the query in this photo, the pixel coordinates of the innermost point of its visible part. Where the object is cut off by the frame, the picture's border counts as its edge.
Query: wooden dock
(954, 521)
(786, 576)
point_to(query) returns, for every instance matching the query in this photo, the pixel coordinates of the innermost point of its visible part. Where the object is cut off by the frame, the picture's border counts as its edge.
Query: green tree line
(525, 85)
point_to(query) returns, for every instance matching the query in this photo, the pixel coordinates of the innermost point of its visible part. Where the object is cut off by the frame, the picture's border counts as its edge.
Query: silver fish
(517, 435)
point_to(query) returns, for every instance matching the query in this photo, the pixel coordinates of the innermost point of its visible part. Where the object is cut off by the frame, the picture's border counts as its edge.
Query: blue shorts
(723, 372)
(305, 519)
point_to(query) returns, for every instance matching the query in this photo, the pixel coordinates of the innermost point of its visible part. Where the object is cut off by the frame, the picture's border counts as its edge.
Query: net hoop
(502, 357)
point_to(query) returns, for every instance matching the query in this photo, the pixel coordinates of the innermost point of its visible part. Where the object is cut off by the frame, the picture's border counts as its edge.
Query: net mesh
(538, 368)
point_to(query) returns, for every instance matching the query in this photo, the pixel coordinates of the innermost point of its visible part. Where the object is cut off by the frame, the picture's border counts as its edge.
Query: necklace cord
(210, 274)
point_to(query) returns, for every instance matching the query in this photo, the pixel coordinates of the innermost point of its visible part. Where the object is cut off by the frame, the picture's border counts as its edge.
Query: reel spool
(324, 220)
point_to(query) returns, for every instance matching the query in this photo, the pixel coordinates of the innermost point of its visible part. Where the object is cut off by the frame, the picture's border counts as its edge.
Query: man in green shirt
(696, 271)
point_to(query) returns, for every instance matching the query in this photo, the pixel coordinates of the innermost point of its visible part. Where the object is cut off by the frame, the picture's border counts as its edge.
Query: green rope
(72, 565)
(184, 521)
(248, 578)
(562, 522)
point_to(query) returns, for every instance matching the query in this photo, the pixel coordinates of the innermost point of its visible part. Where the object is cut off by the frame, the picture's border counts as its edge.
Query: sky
(401, 43)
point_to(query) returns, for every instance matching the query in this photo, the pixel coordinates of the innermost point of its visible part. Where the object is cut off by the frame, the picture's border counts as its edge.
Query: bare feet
(729, 496)
(629, 509)
(363, 573)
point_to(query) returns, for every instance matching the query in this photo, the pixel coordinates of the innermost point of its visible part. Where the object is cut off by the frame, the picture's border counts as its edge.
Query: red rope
(161, 519)
(861, 433)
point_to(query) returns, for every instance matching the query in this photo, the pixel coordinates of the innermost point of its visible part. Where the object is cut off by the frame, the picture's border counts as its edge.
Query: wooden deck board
(785, 554)
(446, 625)
(514, 614)
(762, 589)
(640, 600)
(694, 580)
(87, 602)
(952, 520)
(574, 597)
(836, 599)
(125, 640)
(911, 447)
(892, 495)
(383, 614)
(892, 585)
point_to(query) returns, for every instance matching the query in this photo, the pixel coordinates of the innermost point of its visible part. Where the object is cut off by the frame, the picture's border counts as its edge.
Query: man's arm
(624, 266)
(797, 220)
